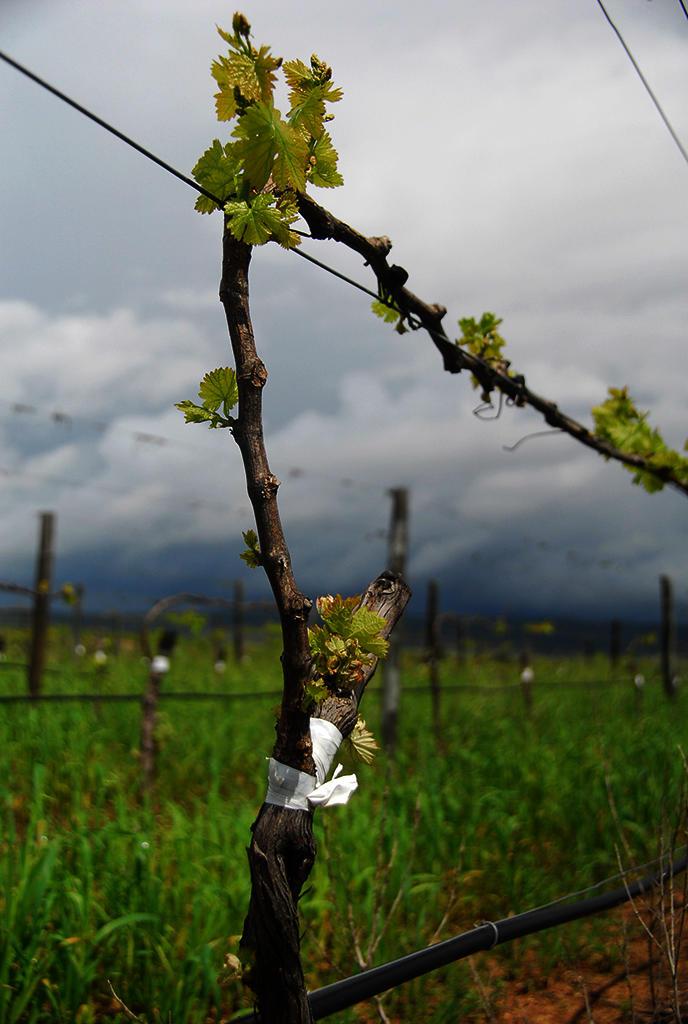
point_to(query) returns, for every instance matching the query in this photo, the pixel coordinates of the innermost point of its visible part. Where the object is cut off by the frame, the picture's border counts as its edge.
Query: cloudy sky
(514, 158)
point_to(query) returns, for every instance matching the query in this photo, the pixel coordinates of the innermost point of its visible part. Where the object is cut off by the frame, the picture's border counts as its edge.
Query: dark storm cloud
(514, 158)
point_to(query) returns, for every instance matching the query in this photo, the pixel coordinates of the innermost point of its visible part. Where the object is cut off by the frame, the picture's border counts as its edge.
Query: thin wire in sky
(108, 127)
(683, 7)
(645, 82)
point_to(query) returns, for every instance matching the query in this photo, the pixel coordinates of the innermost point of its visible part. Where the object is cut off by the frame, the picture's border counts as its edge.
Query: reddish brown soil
(614, 985)
(631, 986)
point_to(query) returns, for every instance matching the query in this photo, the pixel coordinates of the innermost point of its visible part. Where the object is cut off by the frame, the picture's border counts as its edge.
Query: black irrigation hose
(343, 994)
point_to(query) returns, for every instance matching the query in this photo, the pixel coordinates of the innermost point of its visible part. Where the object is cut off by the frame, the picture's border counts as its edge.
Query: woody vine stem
(282, 850)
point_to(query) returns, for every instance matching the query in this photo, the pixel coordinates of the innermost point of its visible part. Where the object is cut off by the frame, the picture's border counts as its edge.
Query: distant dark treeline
(468, 634)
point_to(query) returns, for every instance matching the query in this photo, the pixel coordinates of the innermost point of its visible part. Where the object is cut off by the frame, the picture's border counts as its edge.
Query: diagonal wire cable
(683, 7)
(109, 128)
(644, 80)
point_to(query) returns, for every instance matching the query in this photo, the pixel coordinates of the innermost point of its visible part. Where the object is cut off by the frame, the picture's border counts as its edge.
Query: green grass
(509, 813)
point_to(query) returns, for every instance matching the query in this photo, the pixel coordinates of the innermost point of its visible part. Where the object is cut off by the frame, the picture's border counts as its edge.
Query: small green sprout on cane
(217, 389)
(387, 310)
(620, 422)
(361, 742)
(68, 593)
(342, 650)
(251, 555)
(347, 642)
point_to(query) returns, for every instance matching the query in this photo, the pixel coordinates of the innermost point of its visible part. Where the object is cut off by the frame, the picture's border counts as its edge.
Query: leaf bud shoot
(241, 25)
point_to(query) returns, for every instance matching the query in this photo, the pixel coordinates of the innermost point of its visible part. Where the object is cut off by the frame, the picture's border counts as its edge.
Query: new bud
(240, 25)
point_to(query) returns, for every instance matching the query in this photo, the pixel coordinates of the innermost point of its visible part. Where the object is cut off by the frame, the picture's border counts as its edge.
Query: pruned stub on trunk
(282, 852)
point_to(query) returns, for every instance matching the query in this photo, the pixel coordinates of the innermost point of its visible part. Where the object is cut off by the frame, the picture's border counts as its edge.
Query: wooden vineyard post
(614, 643)
(159, 667)
(116, 632)
(77, 617)
(238, 621)
(527, 676)
(667, 635)
(398, 543)
(459, 639)
(40, 618)
(432, 652)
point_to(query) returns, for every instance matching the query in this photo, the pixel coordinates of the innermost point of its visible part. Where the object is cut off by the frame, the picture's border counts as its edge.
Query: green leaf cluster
(68, 593)
(314, 692)
(271, 158)
(482, 339)
(251, 555)
(347, 643)
(217, 389)
(619, 422)
(388, 311)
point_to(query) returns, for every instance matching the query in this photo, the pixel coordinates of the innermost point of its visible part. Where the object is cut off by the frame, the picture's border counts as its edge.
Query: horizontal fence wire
(224, 695)
(346, 993)
(105, 698)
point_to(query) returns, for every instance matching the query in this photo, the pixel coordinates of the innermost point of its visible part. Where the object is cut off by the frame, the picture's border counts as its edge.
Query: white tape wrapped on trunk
(288, 787)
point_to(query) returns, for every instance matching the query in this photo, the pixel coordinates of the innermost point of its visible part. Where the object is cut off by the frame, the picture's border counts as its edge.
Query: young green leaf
(193, 413)
(619, 422)
(363, 744)
(385, 310)
(269, 146)
(337, 613)
(323, 164)
(251, 555)
(313, 692)
(482, 339)
(252, 74)
(308, 112)
(216, 170)
(263, 218)
(365, 628)
(225, 104)
(303, 80)
(219, 388)
(68, 593)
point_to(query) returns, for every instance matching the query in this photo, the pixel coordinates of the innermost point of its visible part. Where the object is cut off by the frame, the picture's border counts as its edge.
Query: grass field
(504, 812)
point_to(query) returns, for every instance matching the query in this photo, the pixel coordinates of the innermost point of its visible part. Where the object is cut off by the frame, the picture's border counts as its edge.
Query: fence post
(77, 617)
(459, 639)
(614, 642)
(432, 652)
(527, 676)
(40, 619)
(238, 621)
(159, 666)
(115, 632)
(667, 635)
(398, 543)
